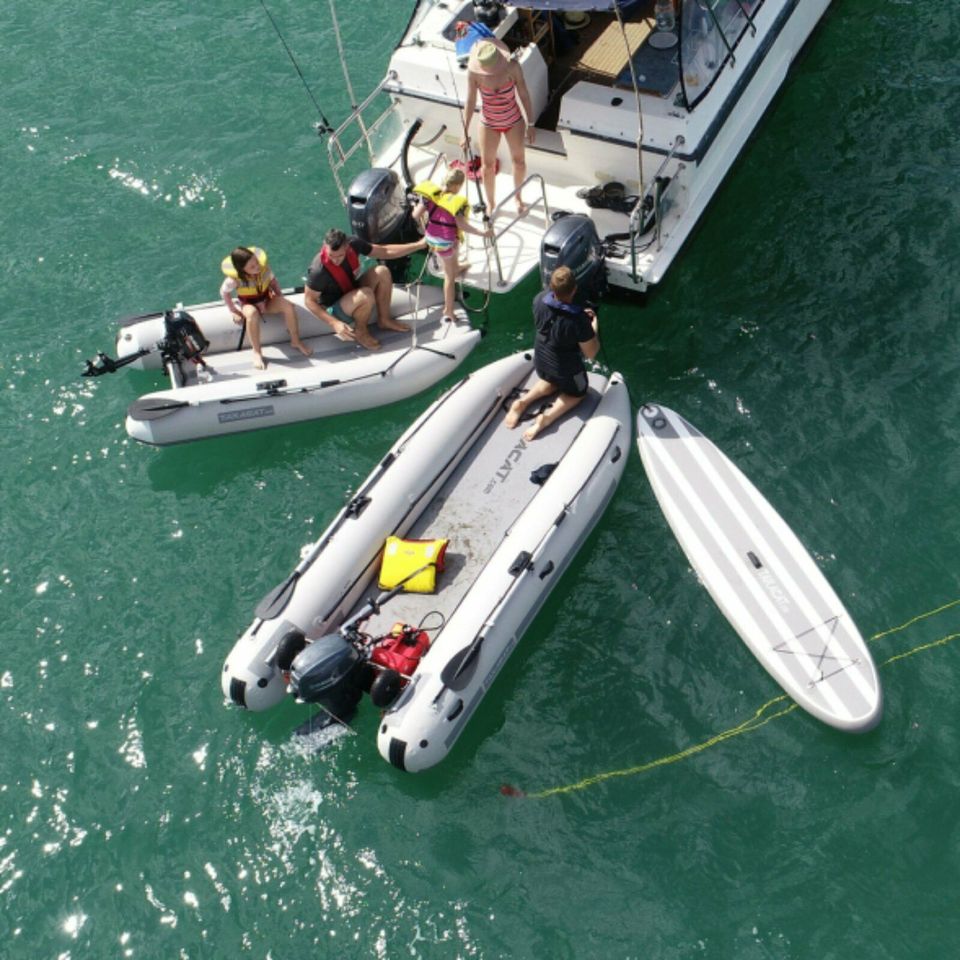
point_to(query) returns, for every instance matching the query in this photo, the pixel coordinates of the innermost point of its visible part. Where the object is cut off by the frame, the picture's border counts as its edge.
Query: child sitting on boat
(445, 212)
(250, 279)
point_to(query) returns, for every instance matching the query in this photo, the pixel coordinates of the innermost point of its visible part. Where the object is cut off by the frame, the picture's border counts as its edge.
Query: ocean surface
(809, 328)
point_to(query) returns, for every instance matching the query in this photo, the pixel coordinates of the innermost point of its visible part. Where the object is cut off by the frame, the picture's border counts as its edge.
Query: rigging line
(324, 126)
(942, 642)
(759, 719)
(346, 79)
(636, 93)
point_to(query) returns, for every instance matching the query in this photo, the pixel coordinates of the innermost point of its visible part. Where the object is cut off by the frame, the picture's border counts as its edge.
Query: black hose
(407, 140)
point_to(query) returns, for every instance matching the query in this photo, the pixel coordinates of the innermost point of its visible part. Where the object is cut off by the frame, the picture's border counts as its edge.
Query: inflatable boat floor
(478, 504)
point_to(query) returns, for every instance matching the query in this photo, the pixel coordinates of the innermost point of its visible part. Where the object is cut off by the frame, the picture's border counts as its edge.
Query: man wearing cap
(498, 79)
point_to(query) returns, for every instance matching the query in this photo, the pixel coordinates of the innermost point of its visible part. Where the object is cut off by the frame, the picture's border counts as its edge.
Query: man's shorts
(339, 313)
(575, 386)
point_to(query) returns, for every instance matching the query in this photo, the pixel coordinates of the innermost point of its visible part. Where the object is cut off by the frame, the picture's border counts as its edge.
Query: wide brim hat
(488, 57)
(575, 19)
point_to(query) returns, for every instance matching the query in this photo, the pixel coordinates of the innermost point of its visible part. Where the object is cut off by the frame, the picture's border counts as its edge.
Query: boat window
(709, 32)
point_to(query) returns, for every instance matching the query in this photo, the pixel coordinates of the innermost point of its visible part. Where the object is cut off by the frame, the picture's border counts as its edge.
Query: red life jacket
(345, 281)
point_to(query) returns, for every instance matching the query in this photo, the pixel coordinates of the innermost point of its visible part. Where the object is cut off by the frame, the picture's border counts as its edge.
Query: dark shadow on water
(202, 466)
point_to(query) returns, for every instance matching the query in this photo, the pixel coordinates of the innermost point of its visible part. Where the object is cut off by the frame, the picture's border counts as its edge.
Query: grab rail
(656, 192)
(546, 215)
(338, 152)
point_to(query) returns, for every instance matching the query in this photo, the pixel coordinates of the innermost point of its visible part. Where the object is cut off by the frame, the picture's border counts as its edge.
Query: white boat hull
(595, 137)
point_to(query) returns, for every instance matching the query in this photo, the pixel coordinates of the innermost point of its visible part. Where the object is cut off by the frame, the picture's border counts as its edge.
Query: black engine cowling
(572, 241)
(183, 340)
(378, 211)
(330, 672)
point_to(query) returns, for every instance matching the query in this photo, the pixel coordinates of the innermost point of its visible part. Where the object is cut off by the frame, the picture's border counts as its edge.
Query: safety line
(759, 719)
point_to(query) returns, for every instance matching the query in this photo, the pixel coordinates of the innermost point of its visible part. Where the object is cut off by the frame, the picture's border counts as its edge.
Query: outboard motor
(336, 670)
(330, 672)
(378, 212)
(183, 341)
(184, 338)
(572, 241)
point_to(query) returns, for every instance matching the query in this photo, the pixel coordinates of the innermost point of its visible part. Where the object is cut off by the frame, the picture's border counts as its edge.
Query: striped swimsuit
(499, 109)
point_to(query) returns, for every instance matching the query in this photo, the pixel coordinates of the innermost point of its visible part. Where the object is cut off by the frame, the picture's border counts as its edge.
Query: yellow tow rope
(760, 718)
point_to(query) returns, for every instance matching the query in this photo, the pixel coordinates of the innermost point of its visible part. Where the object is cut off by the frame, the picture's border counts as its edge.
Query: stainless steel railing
(497, 235)
(340, 153)
(656, 191)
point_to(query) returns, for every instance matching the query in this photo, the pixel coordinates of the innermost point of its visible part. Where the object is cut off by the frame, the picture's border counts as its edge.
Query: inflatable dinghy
(513, 514)
(215, 389)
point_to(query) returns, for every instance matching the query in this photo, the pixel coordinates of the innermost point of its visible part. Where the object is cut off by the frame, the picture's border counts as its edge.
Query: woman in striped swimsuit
(499, 82)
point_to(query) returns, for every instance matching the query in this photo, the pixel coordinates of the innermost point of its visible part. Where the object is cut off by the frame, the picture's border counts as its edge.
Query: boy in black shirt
(566, 333)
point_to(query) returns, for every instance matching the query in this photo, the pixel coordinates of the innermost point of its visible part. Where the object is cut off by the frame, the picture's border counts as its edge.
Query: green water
(807, 329)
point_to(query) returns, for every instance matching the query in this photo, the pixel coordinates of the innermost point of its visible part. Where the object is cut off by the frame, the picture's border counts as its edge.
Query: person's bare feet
(534, 429)
(513, 415)
(522, 208)
(364, 339)
(304, 348)
(258, 362)
(392, 324)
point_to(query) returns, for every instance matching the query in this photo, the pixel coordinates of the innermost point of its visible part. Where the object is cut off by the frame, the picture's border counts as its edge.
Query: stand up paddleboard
(759, 574)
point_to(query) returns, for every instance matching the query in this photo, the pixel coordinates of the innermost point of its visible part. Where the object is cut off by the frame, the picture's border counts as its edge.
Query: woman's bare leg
(516, 141)
(489, 141)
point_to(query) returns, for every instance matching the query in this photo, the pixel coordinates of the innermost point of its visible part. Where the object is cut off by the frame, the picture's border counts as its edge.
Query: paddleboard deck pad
(759, 574)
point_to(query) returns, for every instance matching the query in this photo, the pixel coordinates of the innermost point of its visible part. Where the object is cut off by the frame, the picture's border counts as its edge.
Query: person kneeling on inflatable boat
(250, 279)
(566, 333)
(446, 212)
(336, 290)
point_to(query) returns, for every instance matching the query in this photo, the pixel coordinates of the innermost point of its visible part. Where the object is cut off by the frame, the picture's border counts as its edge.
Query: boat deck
(598, 53)
(515, 250)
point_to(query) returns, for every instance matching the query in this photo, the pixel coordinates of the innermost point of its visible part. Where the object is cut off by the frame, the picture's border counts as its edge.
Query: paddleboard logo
(251, 413)
(504, 470)
(774, 590)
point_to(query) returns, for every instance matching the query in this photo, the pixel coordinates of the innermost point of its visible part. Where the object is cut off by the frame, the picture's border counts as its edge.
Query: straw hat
(575, 19)
(488, 57)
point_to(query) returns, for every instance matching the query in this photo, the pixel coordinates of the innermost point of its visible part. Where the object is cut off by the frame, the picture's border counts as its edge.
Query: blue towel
(475, 31)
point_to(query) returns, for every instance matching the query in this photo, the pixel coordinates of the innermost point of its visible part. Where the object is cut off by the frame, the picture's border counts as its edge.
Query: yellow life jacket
(401, 558)
(442, 220)
(453, 203)
(250, 288)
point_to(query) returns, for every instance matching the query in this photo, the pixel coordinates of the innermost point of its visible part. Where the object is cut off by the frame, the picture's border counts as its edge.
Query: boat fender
(401, 558)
